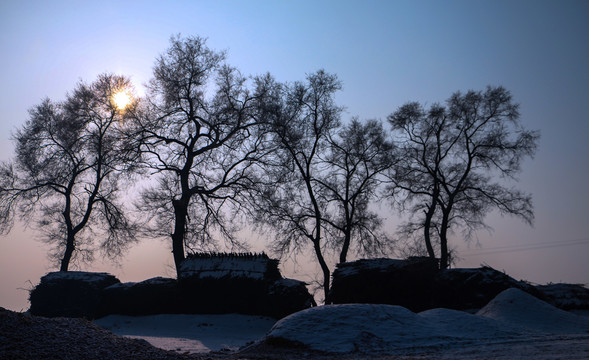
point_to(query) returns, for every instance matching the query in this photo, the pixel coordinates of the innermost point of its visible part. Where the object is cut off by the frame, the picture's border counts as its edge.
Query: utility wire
(527, 247)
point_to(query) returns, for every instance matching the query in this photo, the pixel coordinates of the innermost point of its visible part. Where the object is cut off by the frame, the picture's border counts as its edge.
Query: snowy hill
(518, 309)
(514, 325)
(513, 317)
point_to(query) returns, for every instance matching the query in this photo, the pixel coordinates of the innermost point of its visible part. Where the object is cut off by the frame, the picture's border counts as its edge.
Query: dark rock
(229, 265)
(152, 296)
(69, 294)
(407, 283)
(565, 296)
(287, 296)
(27, 337)
(209, 284)
(418, 285)
(239, 283)
(463, 289)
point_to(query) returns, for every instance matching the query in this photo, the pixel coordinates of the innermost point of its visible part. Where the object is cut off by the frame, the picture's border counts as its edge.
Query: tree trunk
(316, 239)
(427, 224)
(345, 246)
(444, 241)
(426, 236)
(324, 268)
(180, 214)
(67, 256)
(426, 230)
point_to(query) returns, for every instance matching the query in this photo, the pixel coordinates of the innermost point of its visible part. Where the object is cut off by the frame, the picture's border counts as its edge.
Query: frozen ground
(514, 325)
(190, 333)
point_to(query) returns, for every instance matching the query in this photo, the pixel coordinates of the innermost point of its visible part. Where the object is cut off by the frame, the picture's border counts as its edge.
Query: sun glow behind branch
(121, 99)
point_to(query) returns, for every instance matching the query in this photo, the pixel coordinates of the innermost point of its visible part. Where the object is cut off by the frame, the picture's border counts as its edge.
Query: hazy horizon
(385, 53)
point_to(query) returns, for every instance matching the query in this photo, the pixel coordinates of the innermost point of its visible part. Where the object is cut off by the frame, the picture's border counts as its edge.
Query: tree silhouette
(70, 157)
(355, 162)
(450, 157)
(301, 118)
(198, 135)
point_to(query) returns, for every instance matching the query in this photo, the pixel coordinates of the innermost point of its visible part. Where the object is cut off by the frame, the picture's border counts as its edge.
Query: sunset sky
(385, 52)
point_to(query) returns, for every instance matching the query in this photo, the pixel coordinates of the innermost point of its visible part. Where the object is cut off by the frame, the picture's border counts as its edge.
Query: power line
(527, 247)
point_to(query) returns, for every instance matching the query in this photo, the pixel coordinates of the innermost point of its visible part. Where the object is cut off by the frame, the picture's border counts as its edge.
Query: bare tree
(289, 199)
(70, 157)
(422, 144)
(356, 160)
(452, 156)
(198, 134)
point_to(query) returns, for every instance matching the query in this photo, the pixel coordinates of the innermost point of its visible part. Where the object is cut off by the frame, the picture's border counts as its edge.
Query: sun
(122, 99)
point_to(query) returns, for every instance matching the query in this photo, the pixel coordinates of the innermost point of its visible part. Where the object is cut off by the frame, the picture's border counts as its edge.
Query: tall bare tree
(302, 118)
(356, 160)
(198, 135)
(70, 157)
(422, 144)
(458, 160)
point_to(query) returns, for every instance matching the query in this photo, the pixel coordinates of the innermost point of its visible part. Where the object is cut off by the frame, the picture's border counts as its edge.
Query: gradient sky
(385, 52)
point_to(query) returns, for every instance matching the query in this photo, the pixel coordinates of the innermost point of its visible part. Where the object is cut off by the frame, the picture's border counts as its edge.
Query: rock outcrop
(407, 283)
(248, 284)
(417, 284)
(240, 283)
(70, 294)
(149, 297)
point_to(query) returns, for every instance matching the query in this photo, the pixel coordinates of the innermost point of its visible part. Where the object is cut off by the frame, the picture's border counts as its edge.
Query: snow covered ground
(190, 333)
(514, 325)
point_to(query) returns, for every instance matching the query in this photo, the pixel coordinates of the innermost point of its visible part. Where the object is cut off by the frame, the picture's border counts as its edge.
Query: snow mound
(355, 327)
(517, 308)
(513, 316)
(461, 325)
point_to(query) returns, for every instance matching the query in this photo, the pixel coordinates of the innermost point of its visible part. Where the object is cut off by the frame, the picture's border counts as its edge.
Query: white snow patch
(157, 281)
(190, 333)
(513, 317)
(76, 275)
(516, 308)
(355, 327)
(219, 267)
(382, 264)
(152, 281)
(461, 325)
(513, 326)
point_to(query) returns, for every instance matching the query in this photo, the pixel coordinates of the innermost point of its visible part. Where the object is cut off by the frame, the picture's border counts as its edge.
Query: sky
(386, 53)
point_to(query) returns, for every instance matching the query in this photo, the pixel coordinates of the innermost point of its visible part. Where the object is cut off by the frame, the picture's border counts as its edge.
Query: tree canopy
(211, 144)
(355, 162)
(455, 161)
(70, 157)
(198, 136)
